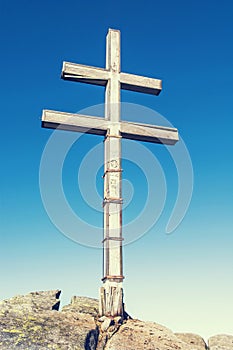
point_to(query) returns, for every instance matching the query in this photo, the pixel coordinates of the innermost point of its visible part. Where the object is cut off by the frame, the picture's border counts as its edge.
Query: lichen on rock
(32, 322)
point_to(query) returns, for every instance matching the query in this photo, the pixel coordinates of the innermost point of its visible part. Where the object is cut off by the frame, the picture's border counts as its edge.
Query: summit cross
(113, 129)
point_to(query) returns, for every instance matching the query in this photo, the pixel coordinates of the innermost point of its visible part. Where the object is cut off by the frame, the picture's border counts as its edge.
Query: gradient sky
(183, 280)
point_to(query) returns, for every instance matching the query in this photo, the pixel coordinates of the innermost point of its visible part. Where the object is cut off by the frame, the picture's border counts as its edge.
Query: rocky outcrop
(221, 342)
(31, 322)
(194, 340)
(34, 322)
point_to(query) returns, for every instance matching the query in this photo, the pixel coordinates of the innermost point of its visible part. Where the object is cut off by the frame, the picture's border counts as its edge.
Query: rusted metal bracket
(108, 277)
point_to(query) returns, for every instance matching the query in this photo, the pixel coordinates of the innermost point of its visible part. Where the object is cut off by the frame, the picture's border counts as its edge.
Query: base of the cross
(111, 299)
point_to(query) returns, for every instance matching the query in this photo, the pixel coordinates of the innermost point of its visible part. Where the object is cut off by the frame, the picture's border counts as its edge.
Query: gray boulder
(31, 322)
(221, 342)
(194, 340)
(138, 335)
(83, 305)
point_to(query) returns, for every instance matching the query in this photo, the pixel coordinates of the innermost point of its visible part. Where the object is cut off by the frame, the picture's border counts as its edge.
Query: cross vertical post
(111, 294)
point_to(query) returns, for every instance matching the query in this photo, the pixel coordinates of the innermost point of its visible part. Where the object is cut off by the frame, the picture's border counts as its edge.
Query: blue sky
(186, 277)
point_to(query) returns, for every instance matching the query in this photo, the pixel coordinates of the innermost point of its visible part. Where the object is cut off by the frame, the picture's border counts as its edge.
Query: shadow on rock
(91, 340)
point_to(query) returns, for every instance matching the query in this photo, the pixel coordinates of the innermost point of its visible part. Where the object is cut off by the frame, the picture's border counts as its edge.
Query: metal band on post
(110, 135)
(112, 171)
(119, 239)
(112, 200)
(115, 278)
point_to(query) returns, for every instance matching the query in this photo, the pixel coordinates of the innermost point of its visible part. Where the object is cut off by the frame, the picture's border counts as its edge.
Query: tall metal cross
(113, 129)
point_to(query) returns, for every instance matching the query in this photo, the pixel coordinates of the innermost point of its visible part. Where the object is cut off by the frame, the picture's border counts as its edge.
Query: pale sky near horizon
(183, 280)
